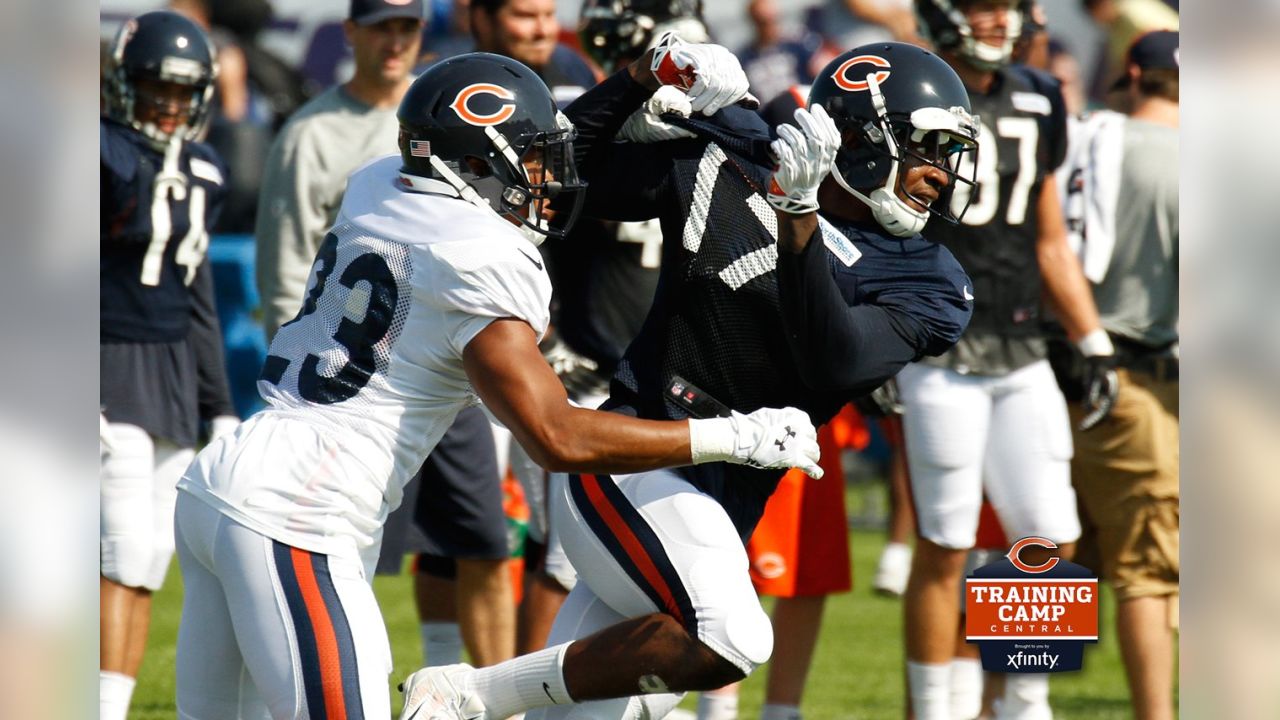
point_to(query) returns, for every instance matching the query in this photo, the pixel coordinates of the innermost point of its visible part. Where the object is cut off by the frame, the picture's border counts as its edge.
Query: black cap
(368, 12)
(1156, 50)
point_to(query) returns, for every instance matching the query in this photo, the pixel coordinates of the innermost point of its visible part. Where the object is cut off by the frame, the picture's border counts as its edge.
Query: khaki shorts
(1125, 472)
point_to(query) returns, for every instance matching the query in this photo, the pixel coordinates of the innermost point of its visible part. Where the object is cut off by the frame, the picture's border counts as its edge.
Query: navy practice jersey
(1023, 139)
(730, 317)
(154, 233)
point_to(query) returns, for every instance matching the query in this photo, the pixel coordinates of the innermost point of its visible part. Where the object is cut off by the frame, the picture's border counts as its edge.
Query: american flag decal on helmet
(420, 148)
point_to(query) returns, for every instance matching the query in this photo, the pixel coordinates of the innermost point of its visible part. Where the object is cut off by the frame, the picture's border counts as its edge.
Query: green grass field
(857, 673)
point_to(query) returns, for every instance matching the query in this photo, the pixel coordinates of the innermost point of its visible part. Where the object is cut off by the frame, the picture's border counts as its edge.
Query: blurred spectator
(1126, 469)
(773, 62)
(256, 91)
(1064, 67)
(527, 30)
(333, 134)
(1124, 21)
(850, 23)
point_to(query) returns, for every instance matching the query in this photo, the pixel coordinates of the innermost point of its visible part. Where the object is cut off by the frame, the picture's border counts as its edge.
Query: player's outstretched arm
(521, 390)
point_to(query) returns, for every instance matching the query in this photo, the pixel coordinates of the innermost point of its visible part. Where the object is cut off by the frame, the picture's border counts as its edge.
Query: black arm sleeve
(852, 349)
(626, 181)
(205, 341)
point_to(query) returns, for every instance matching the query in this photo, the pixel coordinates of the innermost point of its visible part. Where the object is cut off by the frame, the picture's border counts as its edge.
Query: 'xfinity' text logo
(1032, 660)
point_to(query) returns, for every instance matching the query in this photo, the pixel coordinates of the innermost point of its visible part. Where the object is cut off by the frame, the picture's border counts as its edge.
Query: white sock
(441, 643)
(930, 690)
(114, 692)
(773, 711)
(1026, 697)
(966, 688)
(718, 705)
(524, 683)
(895, 553)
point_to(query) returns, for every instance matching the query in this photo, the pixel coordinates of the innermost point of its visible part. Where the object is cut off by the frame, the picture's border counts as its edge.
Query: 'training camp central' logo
(1031, 618)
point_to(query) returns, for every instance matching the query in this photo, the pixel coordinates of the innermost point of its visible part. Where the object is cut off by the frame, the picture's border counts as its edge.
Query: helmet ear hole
(478, 167)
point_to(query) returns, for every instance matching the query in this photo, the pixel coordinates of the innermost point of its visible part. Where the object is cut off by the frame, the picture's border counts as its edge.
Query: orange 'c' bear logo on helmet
(841, 75)
(504, 111)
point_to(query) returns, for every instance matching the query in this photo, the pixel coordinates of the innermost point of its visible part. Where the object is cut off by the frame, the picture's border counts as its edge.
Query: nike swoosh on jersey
(968, 296)
(530, 259)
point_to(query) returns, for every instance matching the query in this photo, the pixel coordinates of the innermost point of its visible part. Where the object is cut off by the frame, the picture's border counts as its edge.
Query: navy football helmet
(614, 32)
(894, 103)
(485, 128)
(150, 51)
(946, 26)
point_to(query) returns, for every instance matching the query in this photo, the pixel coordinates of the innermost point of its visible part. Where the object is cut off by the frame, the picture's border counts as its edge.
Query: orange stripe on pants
(635, 550)
(326, 642)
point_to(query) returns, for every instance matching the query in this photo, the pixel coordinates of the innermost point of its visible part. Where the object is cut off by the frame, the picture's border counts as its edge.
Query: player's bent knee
(750, 635)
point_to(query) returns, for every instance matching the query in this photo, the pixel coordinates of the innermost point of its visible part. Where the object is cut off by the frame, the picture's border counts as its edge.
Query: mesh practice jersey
(1022, 141)
(720, 319)
(157, 208)
(368, 376)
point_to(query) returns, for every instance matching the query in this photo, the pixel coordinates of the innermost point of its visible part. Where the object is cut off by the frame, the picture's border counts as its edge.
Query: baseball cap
(368, 12)
(1156, 50)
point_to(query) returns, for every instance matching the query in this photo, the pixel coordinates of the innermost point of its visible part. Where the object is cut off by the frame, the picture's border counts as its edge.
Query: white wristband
(1096, 343)
(711, 439)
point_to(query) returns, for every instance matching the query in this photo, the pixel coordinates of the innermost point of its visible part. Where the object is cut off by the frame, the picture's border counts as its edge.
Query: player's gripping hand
(1101, 384)
(805, 154)
(709, 74)
(646, 124)
(766, 438)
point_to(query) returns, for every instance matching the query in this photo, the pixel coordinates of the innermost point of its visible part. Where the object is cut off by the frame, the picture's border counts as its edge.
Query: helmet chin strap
(454, 186)
(893, 214)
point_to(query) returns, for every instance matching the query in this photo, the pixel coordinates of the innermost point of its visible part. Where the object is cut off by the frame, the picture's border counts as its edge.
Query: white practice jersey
(364, 381)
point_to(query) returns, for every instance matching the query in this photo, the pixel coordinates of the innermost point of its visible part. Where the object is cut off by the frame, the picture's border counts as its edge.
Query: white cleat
(893, 570)
(435, 693)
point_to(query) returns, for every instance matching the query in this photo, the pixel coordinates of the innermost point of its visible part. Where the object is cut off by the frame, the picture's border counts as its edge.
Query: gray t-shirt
(306, 174)
(1138, 297)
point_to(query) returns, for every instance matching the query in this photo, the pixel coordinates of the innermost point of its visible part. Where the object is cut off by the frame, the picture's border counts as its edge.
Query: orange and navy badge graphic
(852, 73)
(476, 104)
(1031, 618)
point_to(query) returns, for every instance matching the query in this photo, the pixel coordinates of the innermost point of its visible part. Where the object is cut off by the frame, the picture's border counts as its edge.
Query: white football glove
(646, 124)
(709, 74)
(766, 438)
(805, 157)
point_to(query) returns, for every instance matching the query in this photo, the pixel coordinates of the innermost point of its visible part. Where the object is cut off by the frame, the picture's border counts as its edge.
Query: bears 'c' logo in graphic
(1016, 551)
(506, 108)
(842, 74)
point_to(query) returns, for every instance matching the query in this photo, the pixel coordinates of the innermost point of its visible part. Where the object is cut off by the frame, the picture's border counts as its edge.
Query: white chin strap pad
(896, 216)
